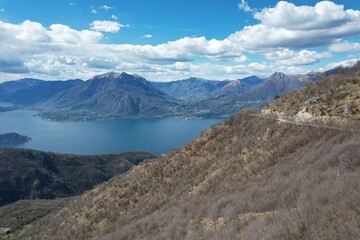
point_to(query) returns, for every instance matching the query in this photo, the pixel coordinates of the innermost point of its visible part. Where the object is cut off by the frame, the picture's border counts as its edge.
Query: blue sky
(166, 40)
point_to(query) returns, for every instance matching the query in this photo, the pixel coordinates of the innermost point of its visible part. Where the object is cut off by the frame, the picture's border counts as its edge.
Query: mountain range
(251, 92)
(257, 175)
(29, 91)
(121, 95)
(191, 89)
(40, 92)
(10, 87)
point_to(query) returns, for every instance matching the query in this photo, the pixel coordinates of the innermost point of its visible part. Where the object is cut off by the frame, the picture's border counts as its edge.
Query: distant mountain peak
(278, 75)
(110, 94)
(253, 80)
(112, 75)
(236, 82)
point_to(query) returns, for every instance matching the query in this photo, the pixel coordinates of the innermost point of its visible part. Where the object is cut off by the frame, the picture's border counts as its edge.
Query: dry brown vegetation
(337, 95)
(248, 178)
(19, 216)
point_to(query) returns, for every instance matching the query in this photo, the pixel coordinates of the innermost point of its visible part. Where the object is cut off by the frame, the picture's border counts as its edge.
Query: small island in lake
(13, 138)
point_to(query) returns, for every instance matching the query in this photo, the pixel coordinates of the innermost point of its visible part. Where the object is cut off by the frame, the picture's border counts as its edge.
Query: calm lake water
(103, 136)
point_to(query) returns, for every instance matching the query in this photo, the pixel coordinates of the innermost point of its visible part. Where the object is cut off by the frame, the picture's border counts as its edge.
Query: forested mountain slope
(31, 174)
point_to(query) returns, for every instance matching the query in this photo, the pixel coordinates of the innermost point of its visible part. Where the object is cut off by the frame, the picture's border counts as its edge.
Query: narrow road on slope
(311, 123)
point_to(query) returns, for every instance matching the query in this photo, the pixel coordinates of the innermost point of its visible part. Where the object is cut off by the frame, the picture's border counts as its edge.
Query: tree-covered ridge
(30, 174)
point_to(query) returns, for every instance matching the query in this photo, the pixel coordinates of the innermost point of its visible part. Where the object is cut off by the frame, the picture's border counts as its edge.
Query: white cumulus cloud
(147, 36)
(290, 26)
(289, 57)
(62, 34)
(345, 47)
(106, 26)
(244, 6)
(323, 15)
(345, 63)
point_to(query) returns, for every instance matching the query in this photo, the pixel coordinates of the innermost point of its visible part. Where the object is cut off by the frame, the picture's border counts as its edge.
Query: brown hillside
(336, 96)
(250, 178)
(19, 216)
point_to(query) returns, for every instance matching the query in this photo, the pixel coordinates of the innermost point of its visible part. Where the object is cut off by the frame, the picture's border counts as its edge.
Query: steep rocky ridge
(336, 96)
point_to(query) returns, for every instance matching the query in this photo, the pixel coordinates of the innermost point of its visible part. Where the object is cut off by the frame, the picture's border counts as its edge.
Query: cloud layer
(290, 26)
(345, 47)
(285, 36)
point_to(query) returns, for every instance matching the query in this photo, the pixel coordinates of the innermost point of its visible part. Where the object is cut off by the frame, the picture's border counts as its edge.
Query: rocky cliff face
(335, 96)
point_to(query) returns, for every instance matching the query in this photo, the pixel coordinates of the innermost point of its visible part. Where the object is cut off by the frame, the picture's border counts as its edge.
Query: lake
(103, 136)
